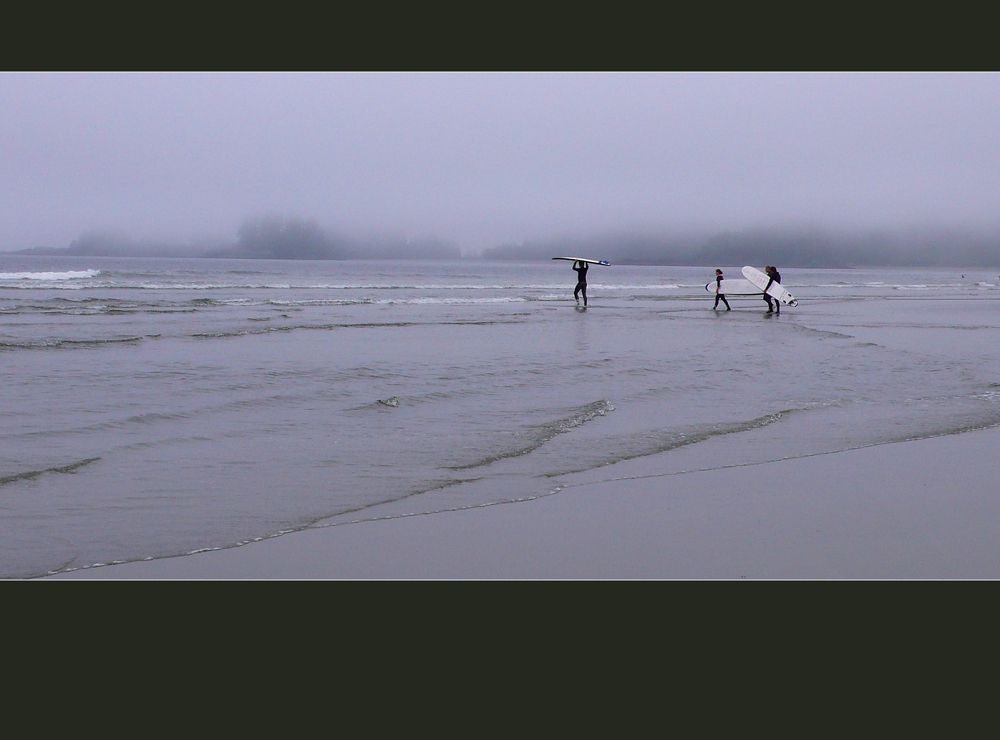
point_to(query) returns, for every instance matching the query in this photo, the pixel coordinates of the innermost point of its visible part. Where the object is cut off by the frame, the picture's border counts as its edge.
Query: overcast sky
(485, 159)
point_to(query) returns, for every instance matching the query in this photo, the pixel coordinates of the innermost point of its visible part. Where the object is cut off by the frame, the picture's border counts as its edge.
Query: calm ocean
(158, 407)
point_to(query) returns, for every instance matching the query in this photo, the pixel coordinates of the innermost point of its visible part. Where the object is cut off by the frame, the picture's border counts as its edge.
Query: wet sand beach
(924, 509)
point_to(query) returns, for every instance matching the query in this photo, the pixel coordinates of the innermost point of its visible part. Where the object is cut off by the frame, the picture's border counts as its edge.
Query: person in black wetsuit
(581, 281)
(767, 298)
(775, 277)
(718, 291)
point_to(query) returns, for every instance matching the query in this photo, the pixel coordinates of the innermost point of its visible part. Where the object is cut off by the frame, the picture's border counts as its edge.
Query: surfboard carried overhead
(761, 279)
(583, 259)
(735, 287)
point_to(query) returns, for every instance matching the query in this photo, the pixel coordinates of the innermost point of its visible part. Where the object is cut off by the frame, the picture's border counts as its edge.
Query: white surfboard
(735, 287)
(583, 259)
(761, 279)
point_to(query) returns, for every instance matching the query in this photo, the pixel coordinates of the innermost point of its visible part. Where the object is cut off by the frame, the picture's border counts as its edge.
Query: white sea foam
(455, 301)
(50, 276)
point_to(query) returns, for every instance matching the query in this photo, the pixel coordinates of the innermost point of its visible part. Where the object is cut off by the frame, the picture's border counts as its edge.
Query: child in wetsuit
(718, 291)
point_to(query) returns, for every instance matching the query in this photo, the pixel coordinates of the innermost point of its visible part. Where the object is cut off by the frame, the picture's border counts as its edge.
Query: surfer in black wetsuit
(581, 281)
(775, 277)
(718, 291)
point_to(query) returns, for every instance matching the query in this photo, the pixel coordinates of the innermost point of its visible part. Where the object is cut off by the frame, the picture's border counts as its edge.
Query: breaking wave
(50, 276)
(653, 443)
(546, 432)
(30, 474)
(66, 343)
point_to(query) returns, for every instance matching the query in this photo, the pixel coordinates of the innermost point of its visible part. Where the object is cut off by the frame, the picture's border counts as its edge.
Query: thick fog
(480, 161)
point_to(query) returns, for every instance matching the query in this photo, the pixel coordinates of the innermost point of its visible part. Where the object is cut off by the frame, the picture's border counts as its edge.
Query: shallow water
(160, 407)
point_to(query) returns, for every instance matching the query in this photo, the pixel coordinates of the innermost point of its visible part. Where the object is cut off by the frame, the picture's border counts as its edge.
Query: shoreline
(922, 509)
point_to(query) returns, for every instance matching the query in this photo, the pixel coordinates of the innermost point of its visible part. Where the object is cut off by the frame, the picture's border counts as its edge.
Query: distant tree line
(284, 239)
(268, 237)
(272, 237)
(811, 247)
(115, 244)
(275, 237)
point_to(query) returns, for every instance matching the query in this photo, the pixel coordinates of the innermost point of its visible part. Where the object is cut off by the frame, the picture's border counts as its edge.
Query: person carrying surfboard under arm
(718, 292)
(581, 281)
(767, 298)
(773, 277)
